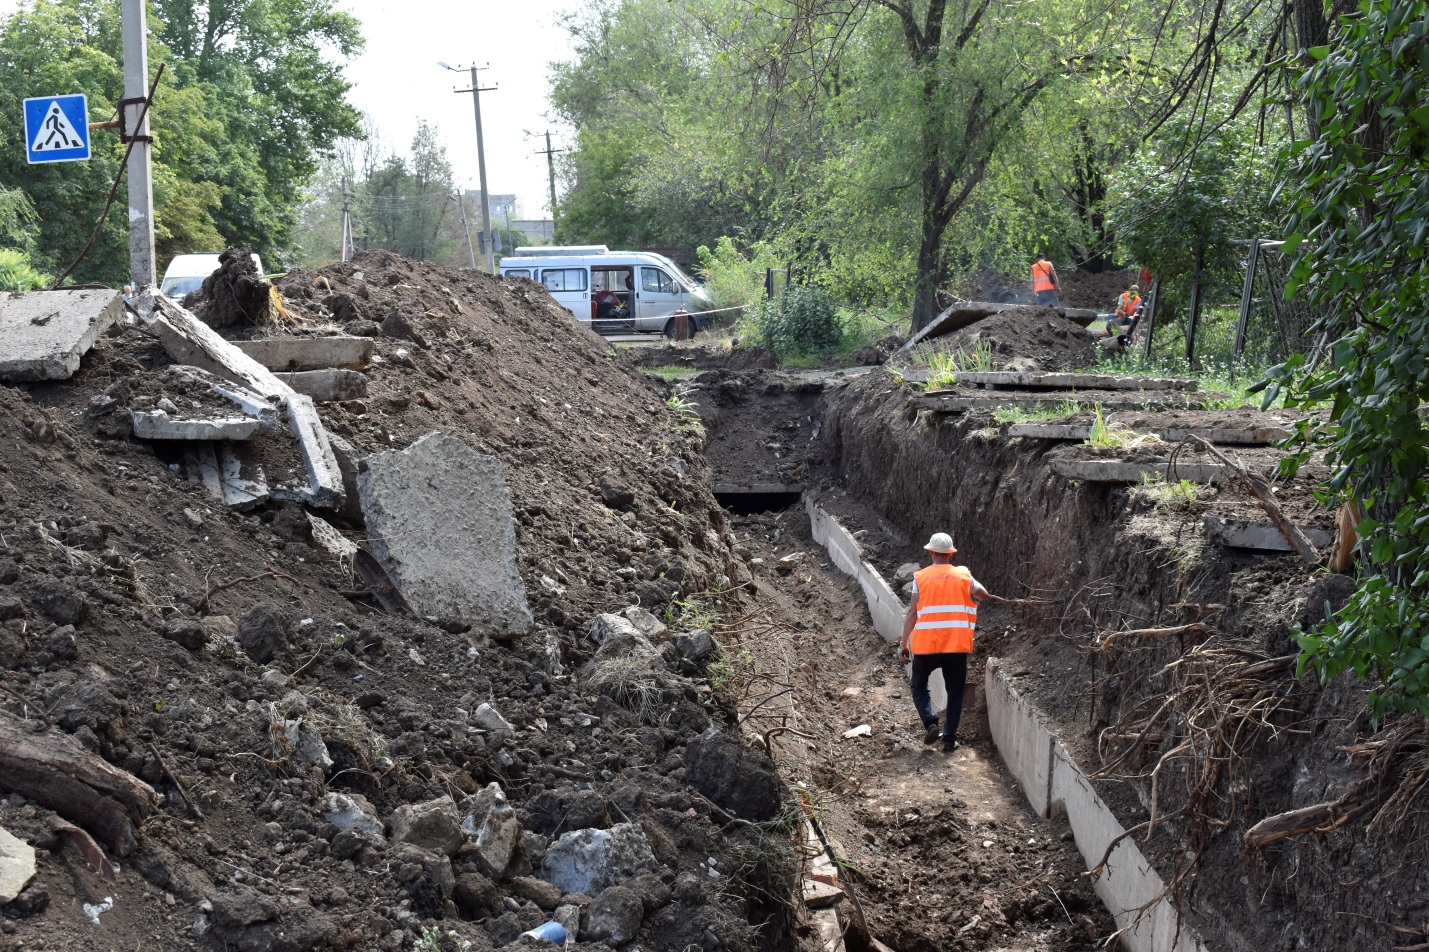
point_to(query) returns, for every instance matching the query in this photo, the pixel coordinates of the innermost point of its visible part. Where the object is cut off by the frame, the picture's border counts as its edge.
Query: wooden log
(1319, 818)
(52, 769)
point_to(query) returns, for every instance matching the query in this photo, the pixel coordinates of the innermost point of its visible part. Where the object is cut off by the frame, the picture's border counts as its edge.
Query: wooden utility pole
(550, 155)
(488, 245)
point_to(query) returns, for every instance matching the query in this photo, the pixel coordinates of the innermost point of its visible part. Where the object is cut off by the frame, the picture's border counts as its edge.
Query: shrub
(16, 273)
(803, 321)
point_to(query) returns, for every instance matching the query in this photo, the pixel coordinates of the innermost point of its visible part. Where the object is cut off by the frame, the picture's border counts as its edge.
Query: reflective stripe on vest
(947, 613)
(1042, 276)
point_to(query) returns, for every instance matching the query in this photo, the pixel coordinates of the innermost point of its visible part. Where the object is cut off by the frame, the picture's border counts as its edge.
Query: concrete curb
(1055, 784)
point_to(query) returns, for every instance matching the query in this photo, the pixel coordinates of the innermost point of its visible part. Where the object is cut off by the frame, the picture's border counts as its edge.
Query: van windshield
(178, 287)
(689, 282)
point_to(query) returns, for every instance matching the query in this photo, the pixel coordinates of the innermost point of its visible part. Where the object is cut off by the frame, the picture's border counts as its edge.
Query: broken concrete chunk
(494, 829)
(696, 645)
(648, 625)
(489, 718)
(1260, 536)
(222, 473)
(308, 353)
(324, 478)
(441, 523)
(326, 386)
(606, 626)
(434, 825)
(158, 425)
(591, 861)
(17, 865)
(190, 341)
(352, 812)
(329, 539)
(43, 334)
(259, 407)
(347, 457)
(614, 917)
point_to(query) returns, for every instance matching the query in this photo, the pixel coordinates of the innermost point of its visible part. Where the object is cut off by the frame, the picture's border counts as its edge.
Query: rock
(396, 324)
(247, 921)
(83, 704)
(352, 812)
(646, 622)
(186, 632)
(475, 896)
(569, 917)
(434, 825)
(906, 571)
(60, 603)
(363, 329)
(264, 631)
(616, 495)
(427, 875)
(220, 628)
(606, 625)
(614, 917)
(275, 679)
(489, 718)
(1029, 364)
(61, 643)
(440, 520)
(17, 866)
(738, 778)
(590, 861)
(542, 893)
(11, 607)
(496, 832)
(694, 645)
(12, 649)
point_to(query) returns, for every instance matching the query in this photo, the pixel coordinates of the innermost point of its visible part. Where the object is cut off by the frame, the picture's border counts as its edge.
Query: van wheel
(669, 329)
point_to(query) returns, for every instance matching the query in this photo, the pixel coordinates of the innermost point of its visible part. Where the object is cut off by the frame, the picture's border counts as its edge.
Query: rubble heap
(411, 650)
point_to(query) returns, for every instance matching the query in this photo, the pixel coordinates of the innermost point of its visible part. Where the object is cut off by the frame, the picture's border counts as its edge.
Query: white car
(185, 273)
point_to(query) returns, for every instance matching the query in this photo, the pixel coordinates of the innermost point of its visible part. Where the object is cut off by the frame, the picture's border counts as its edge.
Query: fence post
(1195, 316)
(1150, 321)
(1243, 324)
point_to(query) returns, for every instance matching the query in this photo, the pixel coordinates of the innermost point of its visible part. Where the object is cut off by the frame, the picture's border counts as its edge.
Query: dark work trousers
(954, 665)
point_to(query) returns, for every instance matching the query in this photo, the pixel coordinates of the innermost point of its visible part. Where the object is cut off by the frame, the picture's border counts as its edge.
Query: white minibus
(616, 292)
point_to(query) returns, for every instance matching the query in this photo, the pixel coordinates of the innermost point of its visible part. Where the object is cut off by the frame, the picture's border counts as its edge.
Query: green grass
(673, 372)
(1215, 376)
(1183, 492)
(1106, 435)
(944, 366)
(1033, 414)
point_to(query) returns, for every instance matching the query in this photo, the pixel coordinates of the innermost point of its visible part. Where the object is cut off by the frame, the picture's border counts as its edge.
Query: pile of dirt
(363, 780)
(234, 294)
(1088, 289)
(1024, 338)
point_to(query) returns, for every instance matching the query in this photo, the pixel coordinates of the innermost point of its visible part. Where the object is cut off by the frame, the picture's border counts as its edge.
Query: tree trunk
(931, 271)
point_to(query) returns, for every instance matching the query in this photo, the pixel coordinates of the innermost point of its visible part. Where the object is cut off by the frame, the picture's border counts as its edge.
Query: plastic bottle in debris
(550, 931)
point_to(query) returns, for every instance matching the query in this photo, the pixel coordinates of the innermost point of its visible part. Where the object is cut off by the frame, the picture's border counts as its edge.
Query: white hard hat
(941, 542)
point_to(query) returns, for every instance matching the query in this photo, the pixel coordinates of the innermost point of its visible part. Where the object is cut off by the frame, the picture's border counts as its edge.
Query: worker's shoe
(950, 744)
(932, 733)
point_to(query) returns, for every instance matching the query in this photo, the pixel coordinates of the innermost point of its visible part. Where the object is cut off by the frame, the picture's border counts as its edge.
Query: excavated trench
(1130, 626)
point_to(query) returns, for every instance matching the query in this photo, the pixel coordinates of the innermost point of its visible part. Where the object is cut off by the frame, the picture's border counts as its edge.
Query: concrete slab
(1125, 471)
(947, 403)
(222, 472)
(190, 341)
(326, 386)
(1054, 783)
(1257, 436)
(324, 478)
(43, 334)
(258, 407)
(1260, 536)
(819, 895)
(1062, 381)
(440, 521)
(158, 425)
(736, 489)
(17, 865)
(309, 353)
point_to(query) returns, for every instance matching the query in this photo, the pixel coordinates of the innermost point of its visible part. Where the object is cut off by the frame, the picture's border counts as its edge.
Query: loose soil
(1024, 338)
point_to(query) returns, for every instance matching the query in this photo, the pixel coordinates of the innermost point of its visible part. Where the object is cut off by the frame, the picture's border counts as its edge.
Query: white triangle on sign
(56, 132)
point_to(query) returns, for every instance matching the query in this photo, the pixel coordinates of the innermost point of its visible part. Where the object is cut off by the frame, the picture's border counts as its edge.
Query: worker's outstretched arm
(979, 593)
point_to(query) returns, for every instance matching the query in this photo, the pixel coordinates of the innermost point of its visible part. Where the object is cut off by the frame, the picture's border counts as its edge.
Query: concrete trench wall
(1048, 774)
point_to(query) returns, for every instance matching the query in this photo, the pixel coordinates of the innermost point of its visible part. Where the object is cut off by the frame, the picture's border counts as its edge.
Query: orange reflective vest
(1042, 276)
(1126, 304)
(947, 613)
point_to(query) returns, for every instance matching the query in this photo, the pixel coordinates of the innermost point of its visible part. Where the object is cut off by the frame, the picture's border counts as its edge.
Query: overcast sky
(397, 81)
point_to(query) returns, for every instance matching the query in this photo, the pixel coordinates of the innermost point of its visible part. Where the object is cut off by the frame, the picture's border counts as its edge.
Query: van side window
(657, 281)
(563, 279)
(518, 273)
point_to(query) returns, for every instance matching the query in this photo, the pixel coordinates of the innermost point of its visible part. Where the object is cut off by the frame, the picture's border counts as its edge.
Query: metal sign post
(136, 128)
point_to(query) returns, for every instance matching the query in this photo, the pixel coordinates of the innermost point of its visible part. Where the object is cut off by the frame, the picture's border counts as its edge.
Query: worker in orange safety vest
(1127, 303)
(1045, 283)
(938, 636)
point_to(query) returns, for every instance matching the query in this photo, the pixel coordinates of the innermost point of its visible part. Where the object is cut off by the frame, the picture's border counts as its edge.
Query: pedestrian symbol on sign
(56, 128)
(56, 132)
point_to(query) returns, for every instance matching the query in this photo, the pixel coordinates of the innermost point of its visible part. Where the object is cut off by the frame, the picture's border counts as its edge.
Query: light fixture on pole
(488, 245)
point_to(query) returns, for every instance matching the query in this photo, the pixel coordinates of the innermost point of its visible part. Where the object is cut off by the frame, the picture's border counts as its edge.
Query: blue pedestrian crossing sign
(56, 129)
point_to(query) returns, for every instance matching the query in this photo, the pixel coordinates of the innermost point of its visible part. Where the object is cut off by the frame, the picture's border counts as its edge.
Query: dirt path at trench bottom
(942, 850)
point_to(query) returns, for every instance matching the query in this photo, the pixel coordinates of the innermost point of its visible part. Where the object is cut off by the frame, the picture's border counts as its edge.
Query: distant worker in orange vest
(938, 636)
(1045, 283)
